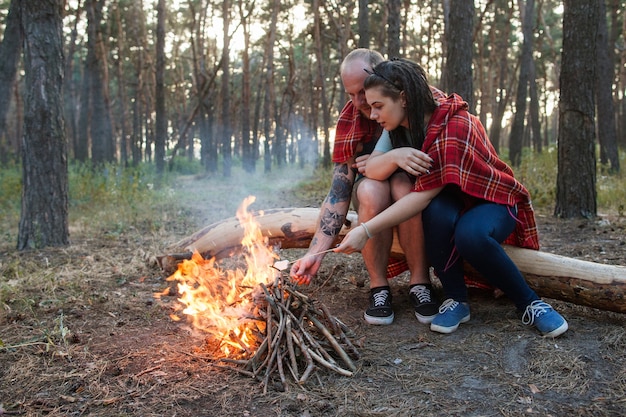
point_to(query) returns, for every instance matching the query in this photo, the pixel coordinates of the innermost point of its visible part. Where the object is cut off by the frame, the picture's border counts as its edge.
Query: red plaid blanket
(464, 156)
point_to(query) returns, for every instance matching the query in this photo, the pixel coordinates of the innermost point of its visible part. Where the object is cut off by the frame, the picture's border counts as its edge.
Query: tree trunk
(576, 281)
(459, 32)
(159, 95)
(44, 217)
(269, 99)
(393, 28)
(576, 178)
(249, 162)
(10, 50)
(363, 24)
(618, 31)
(102, 146)
(535, 123)
(517, 129)
(320, 85)
(122, 97)
(71, 83)
(502, 31)
(225, 92)
(607, 133)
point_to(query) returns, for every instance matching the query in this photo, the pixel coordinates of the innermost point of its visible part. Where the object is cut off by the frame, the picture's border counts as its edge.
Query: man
(355, 138)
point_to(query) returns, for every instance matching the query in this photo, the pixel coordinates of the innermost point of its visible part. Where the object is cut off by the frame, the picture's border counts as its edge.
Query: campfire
(261, 324)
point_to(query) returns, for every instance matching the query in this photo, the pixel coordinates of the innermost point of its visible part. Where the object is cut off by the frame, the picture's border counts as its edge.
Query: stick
(333, 343)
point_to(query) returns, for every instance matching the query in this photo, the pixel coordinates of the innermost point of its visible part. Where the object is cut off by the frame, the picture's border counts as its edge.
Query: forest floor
(89, 338)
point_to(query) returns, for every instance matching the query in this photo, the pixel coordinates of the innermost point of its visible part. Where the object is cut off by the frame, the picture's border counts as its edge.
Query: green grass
(538, 172)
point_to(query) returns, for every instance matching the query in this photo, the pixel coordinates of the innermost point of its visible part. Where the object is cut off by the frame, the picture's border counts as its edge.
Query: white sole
(558, 331)
(379, 321)
(448, 330)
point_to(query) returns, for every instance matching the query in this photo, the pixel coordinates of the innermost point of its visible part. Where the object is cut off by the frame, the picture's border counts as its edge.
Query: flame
(224, 303)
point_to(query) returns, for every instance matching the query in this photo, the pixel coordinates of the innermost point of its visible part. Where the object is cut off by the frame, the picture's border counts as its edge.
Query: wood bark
(576, 178)
(45, 197)
(554, 276)
(10, 50)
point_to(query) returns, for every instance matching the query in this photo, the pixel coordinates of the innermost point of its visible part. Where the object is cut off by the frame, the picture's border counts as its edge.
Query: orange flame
(221, 302)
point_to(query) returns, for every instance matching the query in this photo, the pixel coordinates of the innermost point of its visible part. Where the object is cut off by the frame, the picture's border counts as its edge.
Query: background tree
(276, 69)
(516, 138)
(363, 28)
(457, 76)
(10, 51)
(159, 96)
(44, 217)
(98, 116)
(393, 28)
(575, 186)
(226, 130)
(605, 74)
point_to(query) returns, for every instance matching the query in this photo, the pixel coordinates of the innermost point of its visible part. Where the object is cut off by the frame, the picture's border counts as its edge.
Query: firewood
(580, 282)
(295, 326)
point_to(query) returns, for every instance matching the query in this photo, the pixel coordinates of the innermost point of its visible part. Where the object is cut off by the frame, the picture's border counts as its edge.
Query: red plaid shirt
(353, 129)
(464, 156)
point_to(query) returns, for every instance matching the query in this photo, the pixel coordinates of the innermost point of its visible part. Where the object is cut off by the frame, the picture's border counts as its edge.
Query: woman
(469, 199)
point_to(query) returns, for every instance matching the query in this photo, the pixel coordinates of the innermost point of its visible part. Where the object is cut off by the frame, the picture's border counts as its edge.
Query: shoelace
(380, 298)
(422, 293)
(449, 304)
(534, 310)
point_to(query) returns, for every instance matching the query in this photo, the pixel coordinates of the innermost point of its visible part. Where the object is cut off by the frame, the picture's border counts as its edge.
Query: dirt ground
(93, 340)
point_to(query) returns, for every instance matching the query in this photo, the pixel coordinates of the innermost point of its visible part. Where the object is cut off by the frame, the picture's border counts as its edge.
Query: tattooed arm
(332, 216)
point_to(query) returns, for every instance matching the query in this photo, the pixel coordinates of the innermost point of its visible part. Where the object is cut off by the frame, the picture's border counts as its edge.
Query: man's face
(352, 78)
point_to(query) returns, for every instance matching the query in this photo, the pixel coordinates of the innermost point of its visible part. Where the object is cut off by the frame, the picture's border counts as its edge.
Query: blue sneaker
(545, 319)
(451, 314)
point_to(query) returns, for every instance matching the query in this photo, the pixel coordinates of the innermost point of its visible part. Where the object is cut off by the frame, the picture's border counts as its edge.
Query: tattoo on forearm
(341, 186)
(331, 223)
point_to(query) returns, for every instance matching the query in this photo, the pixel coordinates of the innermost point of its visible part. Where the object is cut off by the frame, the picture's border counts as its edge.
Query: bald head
(353, 75)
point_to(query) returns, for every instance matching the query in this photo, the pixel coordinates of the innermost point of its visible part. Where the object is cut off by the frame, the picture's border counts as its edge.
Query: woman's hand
(354, 241)
(413, 161)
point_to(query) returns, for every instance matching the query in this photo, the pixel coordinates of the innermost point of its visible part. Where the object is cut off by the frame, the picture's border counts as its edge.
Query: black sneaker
(426, 308)
(379, 311)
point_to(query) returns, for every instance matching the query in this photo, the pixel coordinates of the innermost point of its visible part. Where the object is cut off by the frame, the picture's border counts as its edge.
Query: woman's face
(389, 113)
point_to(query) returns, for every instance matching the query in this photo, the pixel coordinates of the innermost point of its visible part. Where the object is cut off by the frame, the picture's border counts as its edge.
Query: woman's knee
(442, 213)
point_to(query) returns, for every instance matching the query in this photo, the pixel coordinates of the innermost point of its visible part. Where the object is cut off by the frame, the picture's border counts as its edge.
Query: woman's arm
(400, 211)
(381, 165)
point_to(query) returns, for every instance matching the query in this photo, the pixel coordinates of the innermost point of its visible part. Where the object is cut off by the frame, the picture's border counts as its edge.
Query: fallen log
(554, 276)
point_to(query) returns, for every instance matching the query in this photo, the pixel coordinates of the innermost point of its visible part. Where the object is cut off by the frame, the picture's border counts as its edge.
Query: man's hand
(304, 269)
(360, 162)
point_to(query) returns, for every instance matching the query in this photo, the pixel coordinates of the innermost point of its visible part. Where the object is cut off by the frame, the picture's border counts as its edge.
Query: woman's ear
(403, 98)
